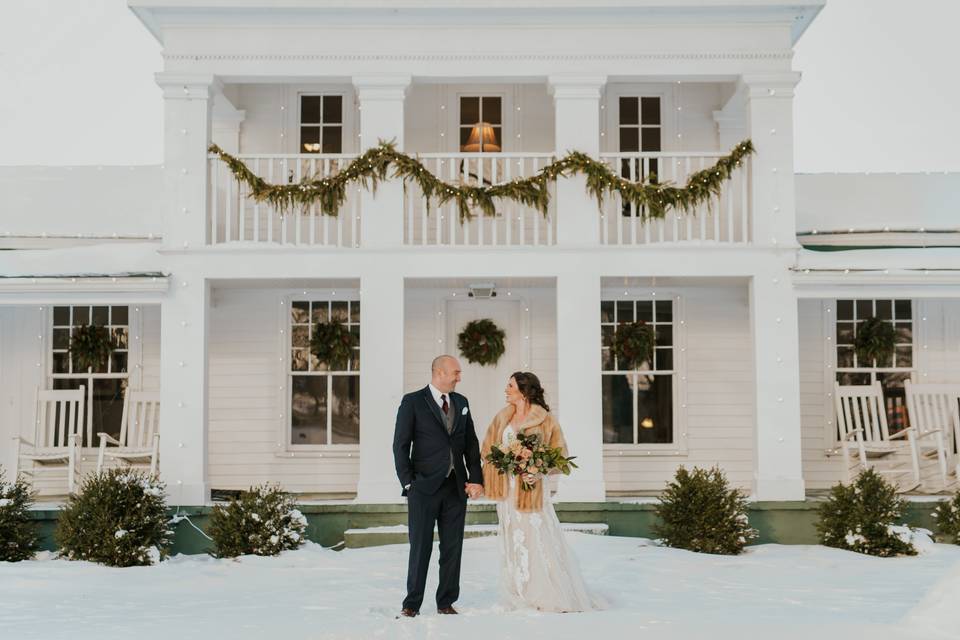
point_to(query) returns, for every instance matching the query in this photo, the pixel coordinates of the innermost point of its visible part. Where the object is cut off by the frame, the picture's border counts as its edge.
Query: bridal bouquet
(526, 454)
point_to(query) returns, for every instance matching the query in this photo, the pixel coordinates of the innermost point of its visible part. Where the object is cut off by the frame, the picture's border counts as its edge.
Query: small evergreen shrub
(947, 515)
(699, 511)
(18, 532)
(863, 517)
(264, 521)
(119, 518)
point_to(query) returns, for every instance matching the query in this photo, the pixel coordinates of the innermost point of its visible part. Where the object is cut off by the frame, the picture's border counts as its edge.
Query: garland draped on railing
(369, 169)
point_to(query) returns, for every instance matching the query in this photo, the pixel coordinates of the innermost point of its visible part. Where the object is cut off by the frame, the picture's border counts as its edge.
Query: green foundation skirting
(777, 522)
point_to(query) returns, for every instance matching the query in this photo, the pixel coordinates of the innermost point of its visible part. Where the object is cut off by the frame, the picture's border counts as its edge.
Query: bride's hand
(530, 478)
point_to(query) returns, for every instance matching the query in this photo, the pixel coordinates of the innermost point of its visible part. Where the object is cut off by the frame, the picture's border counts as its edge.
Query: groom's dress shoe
(447, 611)
(409, 613)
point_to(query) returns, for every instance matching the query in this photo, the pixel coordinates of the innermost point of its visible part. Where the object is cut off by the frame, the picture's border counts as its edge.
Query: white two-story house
(212, 297)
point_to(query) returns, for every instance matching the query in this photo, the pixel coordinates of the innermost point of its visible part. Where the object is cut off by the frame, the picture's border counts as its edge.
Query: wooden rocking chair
(58, 415)
(139, 432)
(933, 410)
(862, 419)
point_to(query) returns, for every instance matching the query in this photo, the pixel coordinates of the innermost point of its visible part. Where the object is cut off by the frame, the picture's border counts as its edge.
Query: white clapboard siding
(245, 407)
(719, 397)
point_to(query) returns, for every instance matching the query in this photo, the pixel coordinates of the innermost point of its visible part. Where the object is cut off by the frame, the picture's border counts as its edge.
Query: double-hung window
(481, 124)
(850, 370)
(638, 402)
(321, 123)
(324, 404)
(640, 130)
(105, 384)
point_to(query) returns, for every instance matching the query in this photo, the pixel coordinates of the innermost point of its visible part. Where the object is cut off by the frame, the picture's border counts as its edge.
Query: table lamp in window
(482, 138)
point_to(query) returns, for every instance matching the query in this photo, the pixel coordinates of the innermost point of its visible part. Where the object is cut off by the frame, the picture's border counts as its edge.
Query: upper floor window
(850, 314)
(321, 123)
(324, 403)
(481, 124)
(638, 402)
(640, 130)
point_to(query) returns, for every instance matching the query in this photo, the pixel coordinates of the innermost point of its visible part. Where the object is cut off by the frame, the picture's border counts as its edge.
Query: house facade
(212, 298)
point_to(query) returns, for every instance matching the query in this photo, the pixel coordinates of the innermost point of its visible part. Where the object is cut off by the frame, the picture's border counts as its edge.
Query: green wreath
(632, 343)
(333, 344)
(874, 342)
(90, 346)
(482, 342)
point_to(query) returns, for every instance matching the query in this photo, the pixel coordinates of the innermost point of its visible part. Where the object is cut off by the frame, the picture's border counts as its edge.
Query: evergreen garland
(874, 342)
(18, 531)
(482, 342)
(370, 168)
(862, 517)
(632, 343)
(264, 521)
(332, 343)
(947, 515)
(699, 511)
(90, 346)
(119, 518)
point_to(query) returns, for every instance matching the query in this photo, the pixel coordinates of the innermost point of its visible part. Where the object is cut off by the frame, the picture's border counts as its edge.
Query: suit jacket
(422, 446)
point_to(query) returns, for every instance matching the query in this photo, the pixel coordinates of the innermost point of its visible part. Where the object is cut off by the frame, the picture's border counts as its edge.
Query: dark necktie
(445, 407)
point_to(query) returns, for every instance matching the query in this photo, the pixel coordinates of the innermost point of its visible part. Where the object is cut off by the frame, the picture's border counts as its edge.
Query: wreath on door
(482, 342)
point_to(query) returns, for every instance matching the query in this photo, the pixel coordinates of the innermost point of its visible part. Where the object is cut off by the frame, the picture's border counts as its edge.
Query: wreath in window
(90, 346)
(333, 344)
(874, 342)
(632, 343)
(482, 342)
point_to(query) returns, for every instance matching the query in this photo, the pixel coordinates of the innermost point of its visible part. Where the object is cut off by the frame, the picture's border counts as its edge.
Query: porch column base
(379, 491)
(195, 494)
(776, 489)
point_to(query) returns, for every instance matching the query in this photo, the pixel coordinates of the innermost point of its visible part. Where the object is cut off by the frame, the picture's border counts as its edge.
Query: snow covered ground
(772, 591)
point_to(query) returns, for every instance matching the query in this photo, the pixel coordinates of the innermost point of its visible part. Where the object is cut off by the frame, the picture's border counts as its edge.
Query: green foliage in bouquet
(632, 343)
(874, 342)
(526, 454)
(18, 531)
(482, 342)
(264, 521)
(862, 517)
(699, 511)
(947, 515)
(333, 344)
(90, 346)
(119, 518)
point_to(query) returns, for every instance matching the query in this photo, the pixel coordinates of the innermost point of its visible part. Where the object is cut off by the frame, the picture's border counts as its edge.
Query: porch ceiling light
(482, 291)
(482, 138)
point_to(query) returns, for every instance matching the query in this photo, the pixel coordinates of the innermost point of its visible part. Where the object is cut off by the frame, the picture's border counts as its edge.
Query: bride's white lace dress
(537, 567)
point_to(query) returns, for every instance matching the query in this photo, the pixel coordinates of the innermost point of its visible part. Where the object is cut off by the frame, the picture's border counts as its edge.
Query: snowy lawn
(772, 591)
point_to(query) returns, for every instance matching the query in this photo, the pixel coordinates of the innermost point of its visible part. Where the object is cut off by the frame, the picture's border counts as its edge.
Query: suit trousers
(448, 510)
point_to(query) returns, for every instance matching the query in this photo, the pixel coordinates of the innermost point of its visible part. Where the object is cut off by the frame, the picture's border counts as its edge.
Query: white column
(184, 389)
(187, 100)
(579, 388)
(381, 382)
(778, 472)
(770, 126)
(381, 119)
(576, 102)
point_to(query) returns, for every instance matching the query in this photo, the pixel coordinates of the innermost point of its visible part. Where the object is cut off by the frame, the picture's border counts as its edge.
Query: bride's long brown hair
(528, 384)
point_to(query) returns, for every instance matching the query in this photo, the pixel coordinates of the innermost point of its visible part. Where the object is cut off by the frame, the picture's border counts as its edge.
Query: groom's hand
(473, 490)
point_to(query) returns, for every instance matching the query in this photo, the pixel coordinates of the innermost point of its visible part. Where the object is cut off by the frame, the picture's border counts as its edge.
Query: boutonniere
(465, 411)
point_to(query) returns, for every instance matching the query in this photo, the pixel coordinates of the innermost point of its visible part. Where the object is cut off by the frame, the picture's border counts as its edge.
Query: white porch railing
(426, 223)
(727, 219)
(233, 217)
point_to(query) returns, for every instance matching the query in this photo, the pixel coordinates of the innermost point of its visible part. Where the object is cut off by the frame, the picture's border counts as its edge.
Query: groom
(434, 437)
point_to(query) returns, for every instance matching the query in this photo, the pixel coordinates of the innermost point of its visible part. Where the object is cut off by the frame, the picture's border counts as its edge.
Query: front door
(483, 385)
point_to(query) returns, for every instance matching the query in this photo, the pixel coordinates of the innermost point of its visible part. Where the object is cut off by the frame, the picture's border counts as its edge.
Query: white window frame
(351, 118)
(509, 125)
(133, 375)
(286, 448)
(679, 445)
(610, 114)
(829, 316)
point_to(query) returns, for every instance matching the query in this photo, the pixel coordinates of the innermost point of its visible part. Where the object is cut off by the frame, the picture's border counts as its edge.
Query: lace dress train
(537, 566)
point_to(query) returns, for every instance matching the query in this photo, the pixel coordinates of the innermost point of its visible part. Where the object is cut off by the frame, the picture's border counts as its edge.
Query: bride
(537, 568)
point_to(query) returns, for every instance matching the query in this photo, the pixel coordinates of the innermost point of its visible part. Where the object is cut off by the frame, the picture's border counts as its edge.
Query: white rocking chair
(862, 418)
(58, 415)
(934, 412)
(139, 432)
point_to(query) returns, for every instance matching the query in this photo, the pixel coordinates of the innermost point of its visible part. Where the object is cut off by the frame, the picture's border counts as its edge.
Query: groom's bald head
(445, 373)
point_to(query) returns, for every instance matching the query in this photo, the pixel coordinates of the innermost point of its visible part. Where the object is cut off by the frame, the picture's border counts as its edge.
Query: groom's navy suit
(423, 449)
